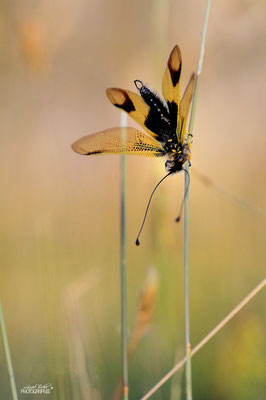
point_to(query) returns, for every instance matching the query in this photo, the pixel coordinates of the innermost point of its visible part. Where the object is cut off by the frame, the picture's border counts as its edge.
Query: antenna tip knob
(137, 242)
(138, 84)
(178, 218)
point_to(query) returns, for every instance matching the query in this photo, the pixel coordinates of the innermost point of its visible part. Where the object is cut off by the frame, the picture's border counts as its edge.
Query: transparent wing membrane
(111, 141)
(184, 108)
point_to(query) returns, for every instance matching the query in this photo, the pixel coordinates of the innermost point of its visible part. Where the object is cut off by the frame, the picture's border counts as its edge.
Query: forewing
(171, 83)
(184, 108)
(132, 104)
(113, 141)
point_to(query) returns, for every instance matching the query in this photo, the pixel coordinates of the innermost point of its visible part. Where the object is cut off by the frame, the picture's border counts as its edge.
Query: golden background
(59, 212)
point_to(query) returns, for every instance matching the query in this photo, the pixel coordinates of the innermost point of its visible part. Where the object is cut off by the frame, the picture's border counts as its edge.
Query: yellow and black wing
(184, 108)
(111, 141)
(171, 90)
(171, 83)
(131, 103)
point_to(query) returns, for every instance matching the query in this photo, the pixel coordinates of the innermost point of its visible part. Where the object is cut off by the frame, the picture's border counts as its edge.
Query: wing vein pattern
(110, 142)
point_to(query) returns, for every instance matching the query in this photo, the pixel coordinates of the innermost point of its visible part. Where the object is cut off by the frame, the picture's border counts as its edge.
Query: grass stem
(8, 356)
(208, 337)
(186, 293)
(123, 268)
(186, 205)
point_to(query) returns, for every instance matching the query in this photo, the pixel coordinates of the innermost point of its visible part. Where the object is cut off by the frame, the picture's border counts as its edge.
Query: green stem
(186, 205)
(123, 270)
(186, 293)
(199, 69)
(8, 356)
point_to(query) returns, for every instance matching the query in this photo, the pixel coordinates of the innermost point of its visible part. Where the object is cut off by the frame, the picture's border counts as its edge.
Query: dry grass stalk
(206, 339)
(147, 302)
(145, 311)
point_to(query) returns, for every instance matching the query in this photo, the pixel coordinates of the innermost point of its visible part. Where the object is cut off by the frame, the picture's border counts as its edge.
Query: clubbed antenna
(147, 208)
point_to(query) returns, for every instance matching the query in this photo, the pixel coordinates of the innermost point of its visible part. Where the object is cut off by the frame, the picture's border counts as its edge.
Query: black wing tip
(175, 54)
(177, 49)
(175, 65)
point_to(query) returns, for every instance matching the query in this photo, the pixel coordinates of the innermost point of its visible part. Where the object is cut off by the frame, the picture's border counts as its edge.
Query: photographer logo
(37, 389)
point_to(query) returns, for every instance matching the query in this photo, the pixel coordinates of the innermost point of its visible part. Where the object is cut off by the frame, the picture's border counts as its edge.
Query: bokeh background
(59, 212)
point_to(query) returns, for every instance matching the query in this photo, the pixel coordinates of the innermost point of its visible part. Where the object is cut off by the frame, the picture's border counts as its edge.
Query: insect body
(164, 121)
(159, 120)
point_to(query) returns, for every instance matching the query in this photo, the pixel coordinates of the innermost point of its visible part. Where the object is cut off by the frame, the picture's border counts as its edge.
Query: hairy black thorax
(164, 125)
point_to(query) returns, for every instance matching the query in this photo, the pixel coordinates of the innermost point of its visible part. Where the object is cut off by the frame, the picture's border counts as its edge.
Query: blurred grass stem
(186, 205)
(123, 122)
(206, 339)
(8, 356)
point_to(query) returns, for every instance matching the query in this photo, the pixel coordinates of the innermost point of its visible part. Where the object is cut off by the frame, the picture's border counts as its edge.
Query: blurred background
(59, 211)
